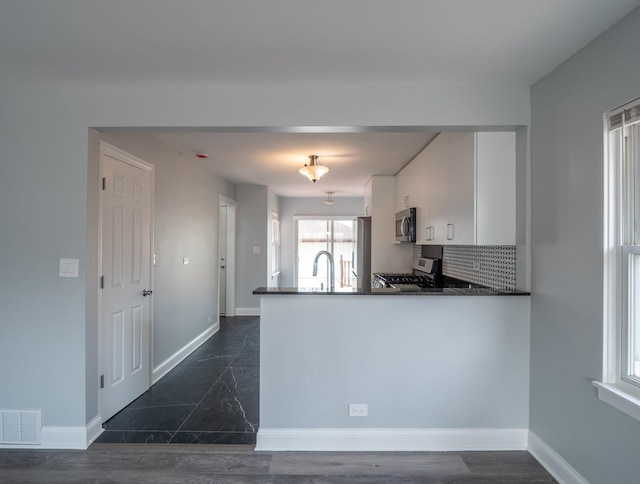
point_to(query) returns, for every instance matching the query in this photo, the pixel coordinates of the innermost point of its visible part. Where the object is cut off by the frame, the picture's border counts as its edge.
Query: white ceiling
(204, 42)
(264, 42)
(273, 159)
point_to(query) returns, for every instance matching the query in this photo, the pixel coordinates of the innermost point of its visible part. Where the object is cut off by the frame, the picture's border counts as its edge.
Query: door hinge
(101, 282)
(104, 183)
(101, 381)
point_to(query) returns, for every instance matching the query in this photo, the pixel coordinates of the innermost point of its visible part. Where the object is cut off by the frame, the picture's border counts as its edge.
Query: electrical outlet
(476, 266)
(358, 410)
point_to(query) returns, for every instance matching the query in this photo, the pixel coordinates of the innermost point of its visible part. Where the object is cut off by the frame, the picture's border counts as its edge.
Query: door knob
(147, 292)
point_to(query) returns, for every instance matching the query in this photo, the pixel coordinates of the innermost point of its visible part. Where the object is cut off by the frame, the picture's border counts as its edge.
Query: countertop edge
(295, 291)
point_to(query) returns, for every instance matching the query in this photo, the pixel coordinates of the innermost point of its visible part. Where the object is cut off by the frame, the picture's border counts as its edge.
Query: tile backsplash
(489, 265)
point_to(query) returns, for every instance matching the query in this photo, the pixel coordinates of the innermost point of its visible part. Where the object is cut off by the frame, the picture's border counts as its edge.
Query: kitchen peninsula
(472, 290)
(438, 369)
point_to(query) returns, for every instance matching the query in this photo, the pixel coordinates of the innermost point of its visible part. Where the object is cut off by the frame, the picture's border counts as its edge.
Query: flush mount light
(313, 171)
(329, 200)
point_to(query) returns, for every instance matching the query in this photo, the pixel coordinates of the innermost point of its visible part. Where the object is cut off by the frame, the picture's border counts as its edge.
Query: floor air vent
(20, 426)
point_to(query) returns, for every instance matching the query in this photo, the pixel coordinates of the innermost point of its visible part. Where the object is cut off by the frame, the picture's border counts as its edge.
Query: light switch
(69, 267)
(256, 250)
(185, 260)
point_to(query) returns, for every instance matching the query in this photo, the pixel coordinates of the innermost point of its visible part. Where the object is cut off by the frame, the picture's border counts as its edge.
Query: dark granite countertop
(434, 291)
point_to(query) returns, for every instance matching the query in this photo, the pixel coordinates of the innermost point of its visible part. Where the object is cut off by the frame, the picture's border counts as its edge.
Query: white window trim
(275, 245)
(620, 395)
(611, 389)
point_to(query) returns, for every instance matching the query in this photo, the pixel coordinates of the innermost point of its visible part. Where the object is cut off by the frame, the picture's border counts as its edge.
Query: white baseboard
(81, 437)
(170, 363)
(559, 468)
(247, 311)
(56, 438)
(391, 439)
(63, 438)
(94, 429)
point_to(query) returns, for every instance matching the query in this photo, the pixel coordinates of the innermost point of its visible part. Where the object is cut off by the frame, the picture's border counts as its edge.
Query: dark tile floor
(211, 397)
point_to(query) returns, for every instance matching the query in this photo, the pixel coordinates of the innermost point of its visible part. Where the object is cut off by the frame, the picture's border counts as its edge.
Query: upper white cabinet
(460, 227)
(386, 254)
(463, 187)
(431, 228)
(421, 193)
(407, 187)
(496, 188)
(368, 198)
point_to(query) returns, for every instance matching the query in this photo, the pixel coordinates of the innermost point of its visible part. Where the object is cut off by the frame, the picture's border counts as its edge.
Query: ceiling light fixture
(313, 171)
(329, 200)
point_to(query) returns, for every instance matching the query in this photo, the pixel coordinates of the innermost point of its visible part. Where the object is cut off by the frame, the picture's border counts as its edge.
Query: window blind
(624, 116)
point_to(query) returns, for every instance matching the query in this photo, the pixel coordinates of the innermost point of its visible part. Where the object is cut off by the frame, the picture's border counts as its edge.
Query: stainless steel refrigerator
(362, 254)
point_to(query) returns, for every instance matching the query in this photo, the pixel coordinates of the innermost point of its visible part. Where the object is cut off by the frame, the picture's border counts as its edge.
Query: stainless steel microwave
(406, 225)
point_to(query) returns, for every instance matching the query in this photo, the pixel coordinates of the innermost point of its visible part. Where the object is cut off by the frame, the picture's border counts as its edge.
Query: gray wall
(185, 225)
(292, 206)
(44, 200)
(567, 252)
(92, 369)
(252, 218)
(523, 210)
(383, 351)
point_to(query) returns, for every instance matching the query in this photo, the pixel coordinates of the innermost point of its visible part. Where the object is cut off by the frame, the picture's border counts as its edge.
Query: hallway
(211, 397)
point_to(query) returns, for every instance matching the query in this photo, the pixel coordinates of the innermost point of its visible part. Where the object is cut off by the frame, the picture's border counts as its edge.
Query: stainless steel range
(426, 273)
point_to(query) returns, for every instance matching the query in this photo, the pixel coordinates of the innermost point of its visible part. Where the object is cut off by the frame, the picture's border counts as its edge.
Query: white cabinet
(463, 188)
(386, 254)
(449, 205)
(400, 190)
(460, 228)
(496, 188)
(368, 198)
(421, 195)
(435, 229)
(407, 187)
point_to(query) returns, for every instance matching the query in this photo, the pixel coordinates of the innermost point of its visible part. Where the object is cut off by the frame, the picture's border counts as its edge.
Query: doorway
(226, 257)
(222, 246)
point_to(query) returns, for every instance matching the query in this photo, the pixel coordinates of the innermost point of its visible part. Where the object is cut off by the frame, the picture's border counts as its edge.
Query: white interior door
(125, 314)
(227, 276)
(222, 241)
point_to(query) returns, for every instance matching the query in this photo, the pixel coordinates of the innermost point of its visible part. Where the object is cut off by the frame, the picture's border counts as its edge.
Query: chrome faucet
(332, 273)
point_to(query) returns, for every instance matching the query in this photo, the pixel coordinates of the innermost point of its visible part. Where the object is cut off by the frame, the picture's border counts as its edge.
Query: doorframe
(230, 300)
(107, 148)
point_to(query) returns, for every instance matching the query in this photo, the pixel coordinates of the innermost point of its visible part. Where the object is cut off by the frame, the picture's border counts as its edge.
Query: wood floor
(119, 456)
(187, 463)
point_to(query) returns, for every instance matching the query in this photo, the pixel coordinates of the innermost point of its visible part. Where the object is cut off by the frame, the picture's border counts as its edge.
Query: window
(620, 384)
(275, 244)
(334, 235)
